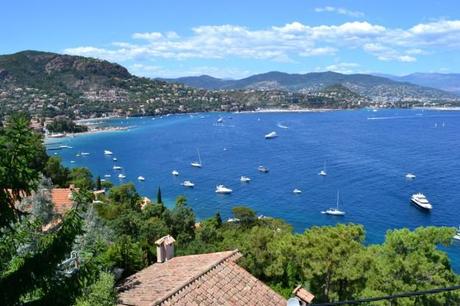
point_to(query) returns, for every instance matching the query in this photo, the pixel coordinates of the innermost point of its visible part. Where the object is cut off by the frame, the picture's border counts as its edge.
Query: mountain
(371, 86)
(49, 84)
(449, 82)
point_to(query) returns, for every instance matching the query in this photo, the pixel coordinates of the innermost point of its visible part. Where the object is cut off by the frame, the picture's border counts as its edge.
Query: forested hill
(363, 84)
(48, 84)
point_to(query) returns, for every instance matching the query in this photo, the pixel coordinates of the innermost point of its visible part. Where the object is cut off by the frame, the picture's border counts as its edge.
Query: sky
(235, 39)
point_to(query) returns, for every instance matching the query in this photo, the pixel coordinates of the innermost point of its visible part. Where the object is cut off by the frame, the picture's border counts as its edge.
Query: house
(203, 279)
(62, 199)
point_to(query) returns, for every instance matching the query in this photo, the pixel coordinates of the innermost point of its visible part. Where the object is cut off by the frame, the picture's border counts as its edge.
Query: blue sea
(367, 155)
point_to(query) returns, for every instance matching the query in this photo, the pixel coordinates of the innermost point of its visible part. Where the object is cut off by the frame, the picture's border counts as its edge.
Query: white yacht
(197, 164)
(271, 135)
(188, 184)
(335, 211)
(222, 189)
(114, 159)
(107, 175)
(121, 176)
(297, 191)
(323, 172)
(141, 178)
(117, 167)
(175, 172)
(56, 135)
(245, 179)
(421, 201)
(410, 176)
(107, 152)
(72, 162)
(263, 169)
(84, 153)
(220, 120)
(457, 235)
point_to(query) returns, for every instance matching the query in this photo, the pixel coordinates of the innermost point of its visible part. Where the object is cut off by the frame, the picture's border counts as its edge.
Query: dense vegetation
(114, 237)
(48, 85)
(65, 125)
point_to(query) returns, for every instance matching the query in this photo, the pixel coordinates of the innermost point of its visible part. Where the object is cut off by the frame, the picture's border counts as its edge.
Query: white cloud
(384, 53)
(285, 43)
(342, 67)
(339, 10)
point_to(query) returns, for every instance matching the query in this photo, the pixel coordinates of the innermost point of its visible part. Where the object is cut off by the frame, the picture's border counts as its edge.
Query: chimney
(165, 248)
(304, 297)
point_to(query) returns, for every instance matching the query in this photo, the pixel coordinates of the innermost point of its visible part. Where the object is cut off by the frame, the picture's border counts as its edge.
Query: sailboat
(335, 211)
(323, 172)
(197, 164)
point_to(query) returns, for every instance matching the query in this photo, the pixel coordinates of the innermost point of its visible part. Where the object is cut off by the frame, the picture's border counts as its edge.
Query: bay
(366, 153)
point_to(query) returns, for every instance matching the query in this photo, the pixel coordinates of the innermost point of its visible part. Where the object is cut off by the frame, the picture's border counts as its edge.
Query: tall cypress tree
(159, 199)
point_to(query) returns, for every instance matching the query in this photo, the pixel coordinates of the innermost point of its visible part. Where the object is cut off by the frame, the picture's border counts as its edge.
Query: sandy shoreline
(453, 108)
(281, 110)
(91, 131)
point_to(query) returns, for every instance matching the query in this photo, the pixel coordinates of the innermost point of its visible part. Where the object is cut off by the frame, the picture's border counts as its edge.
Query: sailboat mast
(199, 157)
(338, 199)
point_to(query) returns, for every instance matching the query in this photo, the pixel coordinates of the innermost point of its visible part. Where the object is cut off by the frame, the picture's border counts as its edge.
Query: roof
(205, 279)
(62, 199)
(303, 294)
(168, 239)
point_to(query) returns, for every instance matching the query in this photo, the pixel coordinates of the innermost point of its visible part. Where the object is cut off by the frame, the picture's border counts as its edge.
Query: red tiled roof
(62, 199)
(205, 279)
(303, 294)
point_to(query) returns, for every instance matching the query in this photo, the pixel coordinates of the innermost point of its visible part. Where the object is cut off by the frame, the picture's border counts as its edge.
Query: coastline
(282, 110)
(439, 108)
(48, 139)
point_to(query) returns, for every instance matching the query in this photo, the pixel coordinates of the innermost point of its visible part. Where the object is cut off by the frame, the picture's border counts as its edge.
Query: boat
(107, 175)
(297, 191)
(107, 152)
(84, 153)
(121, 176)
(245, 179)
(323, 172)
(271, 135)
(420, 200)
(263, 169)
(188, 184)
(335, 211)
(117, 167)
(457, 235)
(197, 164)
(77, 155)
(222, 189)
(114, 159)
(72, 161)
(56, 135)
(282, 126)
(175, 172)
(65, 147)
(141, 178)
(220, 120)
(410, 176)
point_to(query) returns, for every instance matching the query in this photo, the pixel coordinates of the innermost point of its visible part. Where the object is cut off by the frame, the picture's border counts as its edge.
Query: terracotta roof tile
(303, 294)
(205, 279)
(62, 199)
